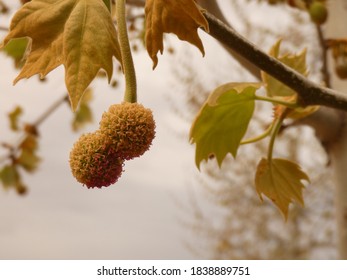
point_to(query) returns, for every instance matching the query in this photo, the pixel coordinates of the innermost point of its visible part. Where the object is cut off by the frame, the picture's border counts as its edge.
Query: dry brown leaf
(181, 17)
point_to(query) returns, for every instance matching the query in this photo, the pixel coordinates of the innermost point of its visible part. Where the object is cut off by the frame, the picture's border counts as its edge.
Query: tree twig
(309, 93)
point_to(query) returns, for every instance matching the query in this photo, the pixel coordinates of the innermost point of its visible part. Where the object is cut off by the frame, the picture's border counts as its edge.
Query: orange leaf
(181, 17)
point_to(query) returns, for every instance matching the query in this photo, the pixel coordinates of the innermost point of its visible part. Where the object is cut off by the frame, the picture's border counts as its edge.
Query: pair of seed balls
(126, 132)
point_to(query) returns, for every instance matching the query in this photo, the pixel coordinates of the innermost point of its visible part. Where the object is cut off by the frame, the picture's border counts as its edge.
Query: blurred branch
(309, 93)
(3, 28)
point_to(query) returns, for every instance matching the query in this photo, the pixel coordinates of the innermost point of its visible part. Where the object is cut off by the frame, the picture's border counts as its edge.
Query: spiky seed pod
(130, 127)
(94, 162)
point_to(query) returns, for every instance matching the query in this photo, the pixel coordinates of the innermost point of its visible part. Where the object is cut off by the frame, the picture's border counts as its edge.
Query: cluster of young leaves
(22, 157)
(222, 122)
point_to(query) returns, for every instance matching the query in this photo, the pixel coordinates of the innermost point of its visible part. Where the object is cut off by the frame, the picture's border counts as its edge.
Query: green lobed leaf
(223, 121)
(294, 61)
(14, 117)
(280, 180)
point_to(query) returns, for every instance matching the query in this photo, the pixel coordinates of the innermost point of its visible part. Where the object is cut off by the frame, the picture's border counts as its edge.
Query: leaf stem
(274, 132)
(128, 64)
(266, 133)
(292, 105)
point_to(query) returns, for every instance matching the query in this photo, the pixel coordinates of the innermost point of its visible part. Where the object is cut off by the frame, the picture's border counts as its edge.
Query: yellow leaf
(181, 17)
(79, 34)
(280, 180)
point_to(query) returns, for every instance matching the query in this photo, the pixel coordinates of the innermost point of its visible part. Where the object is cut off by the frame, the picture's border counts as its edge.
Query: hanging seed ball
(94, 162)
(130, 127)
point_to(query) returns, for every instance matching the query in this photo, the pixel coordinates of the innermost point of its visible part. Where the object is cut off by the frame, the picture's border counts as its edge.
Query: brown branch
(309, 93)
